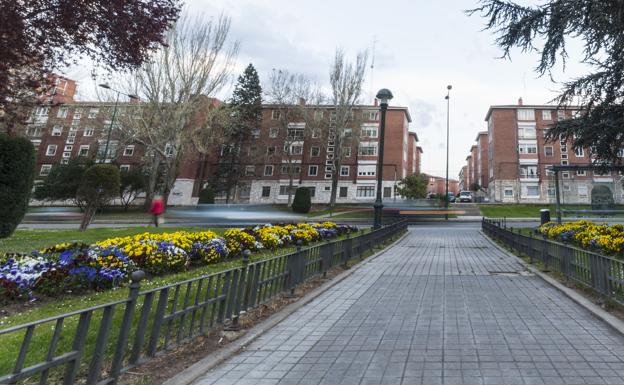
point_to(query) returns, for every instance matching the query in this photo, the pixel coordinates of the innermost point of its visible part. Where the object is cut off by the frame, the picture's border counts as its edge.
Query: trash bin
(544, 216)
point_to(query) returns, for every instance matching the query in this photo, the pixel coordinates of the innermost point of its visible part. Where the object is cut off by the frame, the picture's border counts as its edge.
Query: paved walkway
(441, 307)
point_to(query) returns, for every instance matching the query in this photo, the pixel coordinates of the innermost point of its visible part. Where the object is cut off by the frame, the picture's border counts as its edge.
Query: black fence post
(126, 324)
(241, 293)
(293, 264)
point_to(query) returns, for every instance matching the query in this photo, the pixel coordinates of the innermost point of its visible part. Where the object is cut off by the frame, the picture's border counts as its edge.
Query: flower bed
(107, 264)
(599, 237)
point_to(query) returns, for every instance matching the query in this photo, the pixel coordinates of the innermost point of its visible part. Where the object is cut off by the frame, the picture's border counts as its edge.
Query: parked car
(451, 197)
(465, 196)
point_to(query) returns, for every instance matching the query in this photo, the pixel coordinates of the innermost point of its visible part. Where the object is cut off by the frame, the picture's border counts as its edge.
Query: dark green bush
(17, 172)
(206, 195)
(100, 183)
(303, 200)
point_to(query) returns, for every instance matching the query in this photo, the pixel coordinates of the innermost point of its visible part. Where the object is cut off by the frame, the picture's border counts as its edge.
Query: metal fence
(98, 344)
(599, 272)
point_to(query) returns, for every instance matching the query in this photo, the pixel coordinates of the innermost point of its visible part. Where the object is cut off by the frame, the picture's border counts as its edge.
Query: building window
(42, 111)
(275, 114)
(266, 191)
(548, 151)
(250, 170)
(93, 113)
(367, 170)
(312, 170)
(561, 115)
(387, 192)
(370, 115)
(68, 148)
(369, 130)
(526, 131)
(273, 132)
(296, 150)
(62, 112)
(564, 156)
(566, 187)
(581, 172)
(346, 152)
(57, 130)
(129, 150)
(67, 154)
(295, 131)
(367, 149)
(564, 162)
(35, 131)
(45, 169)
(579, 152)
(88, 132)
(124, 168)
(51, 150)
(551, 191)
(84, 150)
(527, 148)
(268, 170)
(546, 115)
(533, 191)
(565, 175)
(315, 151)
(508, 191)
(344, 170)
(343, 192)
(255, 133)
(270, 150)
(284, 190)
(77, 114)
(365, 191)
(318, 115)
(528, 172)
(526, 114)
(168, 150)
(347, 132)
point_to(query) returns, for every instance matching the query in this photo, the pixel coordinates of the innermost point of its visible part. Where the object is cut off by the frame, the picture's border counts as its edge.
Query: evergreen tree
(246, 104)
(546, 28)
(413, 186)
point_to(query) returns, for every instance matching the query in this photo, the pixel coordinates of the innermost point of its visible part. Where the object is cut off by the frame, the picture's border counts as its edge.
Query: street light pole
(384, 95)
(110, 127)
(446, 197)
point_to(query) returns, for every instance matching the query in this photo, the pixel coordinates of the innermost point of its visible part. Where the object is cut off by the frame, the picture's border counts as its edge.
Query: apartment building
(519, 157)
(277, 153)
(63, 129)
(437, 185)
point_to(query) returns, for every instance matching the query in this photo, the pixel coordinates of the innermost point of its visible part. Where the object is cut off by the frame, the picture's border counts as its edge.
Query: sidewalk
(442, 307)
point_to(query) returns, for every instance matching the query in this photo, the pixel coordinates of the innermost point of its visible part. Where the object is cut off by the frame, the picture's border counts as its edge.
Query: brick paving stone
(443, 306)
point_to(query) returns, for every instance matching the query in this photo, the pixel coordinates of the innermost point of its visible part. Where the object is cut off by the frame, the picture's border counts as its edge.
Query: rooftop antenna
(372, 68)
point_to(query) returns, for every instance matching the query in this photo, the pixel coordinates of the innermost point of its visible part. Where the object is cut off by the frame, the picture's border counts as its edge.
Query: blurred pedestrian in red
(157, 208)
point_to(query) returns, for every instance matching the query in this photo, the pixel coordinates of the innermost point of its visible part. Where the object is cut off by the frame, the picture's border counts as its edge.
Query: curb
(596, 310)
(203, 366)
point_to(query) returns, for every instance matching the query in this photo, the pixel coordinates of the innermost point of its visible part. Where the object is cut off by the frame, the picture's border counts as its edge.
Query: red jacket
(158, 207)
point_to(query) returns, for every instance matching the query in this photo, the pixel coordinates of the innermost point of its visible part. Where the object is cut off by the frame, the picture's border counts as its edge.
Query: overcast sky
(421, 47)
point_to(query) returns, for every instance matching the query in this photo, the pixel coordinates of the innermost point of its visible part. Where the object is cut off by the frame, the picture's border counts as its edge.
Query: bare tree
(174, 86)
(289, 93)
(342, 131)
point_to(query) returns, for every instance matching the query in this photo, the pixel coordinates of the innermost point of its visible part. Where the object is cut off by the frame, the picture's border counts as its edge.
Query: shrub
(17, 171)
(303, 200)
(206, 195)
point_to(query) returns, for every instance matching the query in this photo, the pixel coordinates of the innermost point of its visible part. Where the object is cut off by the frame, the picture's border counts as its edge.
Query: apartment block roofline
(479, 134)
(413, 133)
(418, 148)
(356, 106)
(535, 106)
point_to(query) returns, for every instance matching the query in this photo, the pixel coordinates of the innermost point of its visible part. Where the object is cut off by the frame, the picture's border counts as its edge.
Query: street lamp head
(384, 95)
(133, 96)
(104, 85)
(449, 87)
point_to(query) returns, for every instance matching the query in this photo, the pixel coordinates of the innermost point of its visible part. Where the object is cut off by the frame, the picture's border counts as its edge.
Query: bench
(432, 212)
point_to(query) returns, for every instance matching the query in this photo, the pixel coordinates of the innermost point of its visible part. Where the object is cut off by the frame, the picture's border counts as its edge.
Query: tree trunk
(290, 186)
(87, 217)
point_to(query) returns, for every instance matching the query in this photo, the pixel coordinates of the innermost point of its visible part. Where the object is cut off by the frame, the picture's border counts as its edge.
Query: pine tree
(246, 103)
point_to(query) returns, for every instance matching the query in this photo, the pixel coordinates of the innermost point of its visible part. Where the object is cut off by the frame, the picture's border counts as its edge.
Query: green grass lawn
(27, 240)
(514, 210)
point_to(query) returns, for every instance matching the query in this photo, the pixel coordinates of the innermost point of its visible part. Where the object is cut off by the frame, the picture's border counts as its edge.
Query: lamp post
(446, 197)
(110, 127)
(384, 95)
